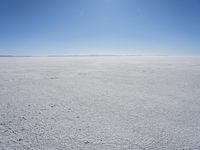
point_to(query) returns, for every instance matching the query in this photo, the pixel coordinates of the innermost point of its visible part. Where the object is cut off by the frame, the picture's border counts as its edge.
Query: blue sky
(56, 27)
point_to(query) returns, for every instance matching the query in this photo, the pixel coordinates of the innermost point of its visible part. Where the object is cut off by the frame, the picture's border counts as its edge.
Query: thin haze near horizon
(74, 27)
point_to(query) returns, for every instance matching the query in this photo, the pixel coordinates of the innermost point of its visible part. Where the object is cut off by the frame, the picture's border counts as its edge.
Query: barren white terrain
(99, 103)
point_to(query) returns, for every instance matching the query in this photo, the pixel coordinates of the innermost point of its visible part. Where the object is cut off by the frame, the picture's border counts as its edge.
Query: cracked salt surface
(103, 103)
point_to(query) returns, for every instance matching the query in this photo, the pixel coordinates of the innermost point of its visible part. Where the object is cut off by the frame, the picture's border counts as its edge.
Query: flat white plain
(105, 103)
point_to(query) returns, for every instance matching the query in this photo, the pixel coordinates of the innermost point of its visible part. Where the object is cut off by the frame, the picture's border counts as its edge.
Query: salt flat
(103, 103)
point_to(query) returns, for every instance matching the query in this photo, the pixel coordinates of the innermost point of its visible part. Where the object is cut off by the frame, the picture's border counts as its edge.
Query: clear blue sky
(56, 27)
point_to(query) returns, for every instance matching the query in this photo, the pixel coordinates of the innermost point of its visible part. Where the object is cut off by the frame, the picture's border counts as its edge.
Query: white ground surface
(103, 103)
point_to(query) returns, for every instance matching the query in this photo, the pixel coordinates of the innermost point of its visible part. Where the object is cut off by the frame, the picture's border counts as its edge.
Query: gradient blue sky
(56, 27)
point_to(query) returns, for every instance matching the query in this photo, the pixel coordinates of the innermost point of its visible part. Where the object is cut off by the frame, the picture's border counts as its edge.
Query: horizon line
(92, 55)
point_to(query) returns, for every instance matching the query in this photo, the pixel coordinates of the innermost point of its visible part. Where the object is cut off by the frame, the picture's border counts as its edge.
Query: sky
(99, 27)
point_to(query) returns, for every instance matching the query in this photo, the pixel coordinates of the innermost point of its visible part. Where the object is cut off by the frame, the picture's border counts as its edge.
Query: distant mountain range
(63, 55)
(14, 56)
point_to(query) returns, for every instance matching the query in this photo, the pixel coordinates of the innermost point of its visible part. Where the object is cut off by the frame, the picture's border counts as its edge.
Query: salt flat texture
(100, 103)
